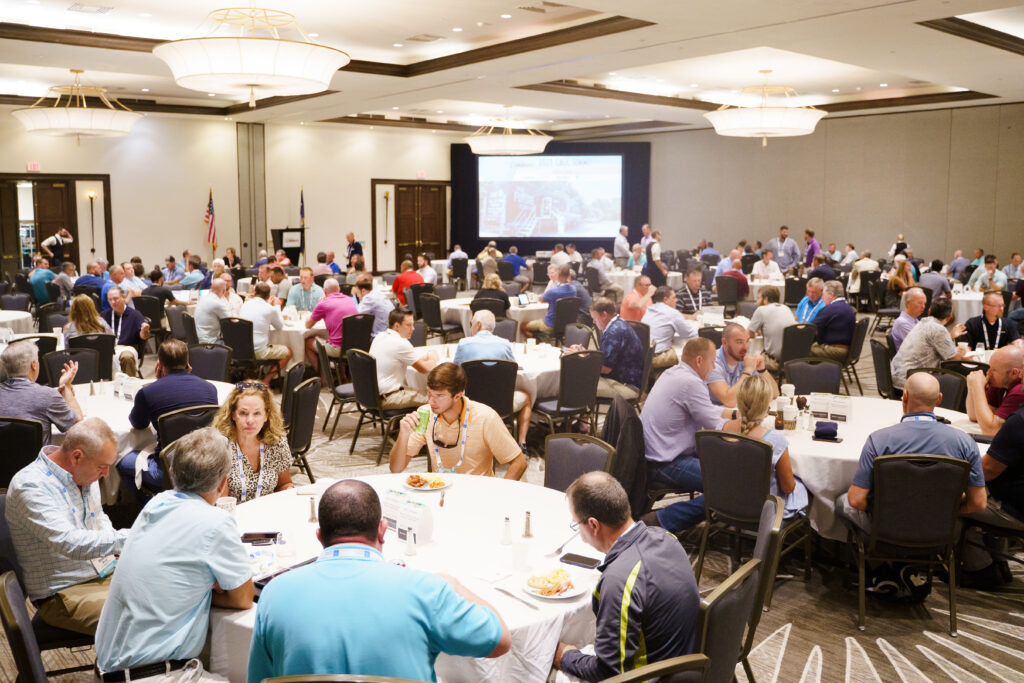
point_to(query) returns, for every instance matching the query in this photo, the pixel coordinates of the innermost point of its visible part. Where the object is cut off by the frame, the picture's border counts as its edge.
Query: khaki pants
(332, 350)
(403, 398)
(770, 364)
(665, 359)
(539, 326)
(272, 352)
(610, 388)
(837, 353)
(77, 608)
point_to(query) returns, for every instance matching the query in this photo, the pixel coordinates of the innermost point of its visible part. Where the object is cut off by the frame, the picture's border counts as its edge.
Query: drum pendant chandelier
(767, 120)
(503, 140)
(75, 116)
(243, 54)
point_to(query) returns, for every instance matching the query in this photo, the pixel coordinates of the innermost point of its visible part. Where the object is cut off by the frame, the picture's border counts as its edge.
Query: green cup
(424, 413)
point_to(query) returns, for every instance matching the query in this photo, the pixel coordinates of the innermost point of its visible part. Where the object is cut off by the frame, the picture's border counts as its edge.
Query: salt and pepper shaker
(526, 526)
(92, 388)
(410, 542)
(312, 509)
(506, 532)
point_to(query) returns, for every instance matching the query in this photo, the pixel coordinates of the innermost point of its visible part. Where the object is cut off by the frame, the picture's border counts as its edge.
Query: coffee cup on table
(788, 390)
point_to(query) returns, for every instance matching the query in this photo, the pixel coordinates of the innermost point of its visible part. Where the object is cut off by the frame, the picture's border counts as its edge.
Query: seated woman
(637, 258)
(356, 268)
(491, 289)
(84, 319)
(753, 400)
(233, 263)
(261, 458)
(902, 279)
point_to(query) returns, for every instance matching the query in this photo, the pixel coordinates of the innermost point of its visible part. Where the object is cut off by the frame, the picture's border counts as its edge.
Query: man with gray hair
(914, 303)
(332, 308)
(158, 612)
(66, 279)
(64, 541)
(21, 396)
(209, 312)
(835, 323)
(812, 303)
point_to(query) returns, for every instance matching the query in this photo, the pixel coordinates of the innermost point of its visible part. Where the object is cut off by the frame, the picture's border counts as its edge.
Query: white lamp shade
(508, 144)
(765, 122)
(265, 65)
(94, 121)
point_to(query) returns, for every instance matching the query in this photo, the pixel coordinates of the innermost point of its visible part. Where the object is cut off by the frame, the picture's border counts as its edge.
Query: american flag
(211, 226)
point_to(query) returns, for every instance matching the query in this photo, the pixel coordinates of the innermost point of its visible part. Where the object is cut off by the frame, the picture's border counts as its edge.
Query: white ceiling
(814, 46)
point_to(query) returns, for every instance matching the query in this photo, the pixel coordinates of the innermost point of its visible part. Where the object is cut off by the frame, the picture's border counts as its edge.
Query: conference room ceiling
(586, 69)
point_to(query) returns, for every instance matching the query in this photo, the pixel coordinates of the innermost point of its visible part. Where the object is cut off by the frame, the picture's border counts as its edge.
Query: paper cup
(228, 504)
(788, 390)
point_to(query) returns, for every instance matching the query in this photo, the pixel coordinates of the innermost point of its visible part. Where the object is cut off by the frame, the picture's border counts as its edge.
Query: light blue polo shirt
(352, 612)
(158, 606)
(722, 373)
(483, 344)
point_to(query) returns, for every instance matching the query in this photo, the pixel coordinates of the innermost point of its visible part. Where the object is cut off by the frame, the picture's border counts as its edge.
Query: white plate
(447, 483)
(579, 587)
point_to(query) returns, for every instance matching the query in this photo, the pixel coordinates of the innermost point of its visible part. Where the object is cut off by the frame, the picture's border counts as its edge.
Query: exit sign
(33, 167)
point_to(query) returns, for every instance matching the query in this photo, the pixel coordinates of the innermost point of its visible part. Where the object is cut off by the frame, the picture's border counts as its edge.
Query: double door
(420, 220)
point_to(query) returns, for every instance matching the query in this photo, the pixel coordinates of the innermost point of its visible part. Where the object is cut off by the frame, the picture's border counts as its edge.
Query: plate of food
(426, 482)
(557, 584)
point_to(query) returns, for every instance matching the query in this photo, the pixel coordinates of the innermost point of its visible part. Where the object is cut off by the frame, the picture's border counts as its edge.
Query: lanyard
(465, 434)
(241, 474)
(700, 299)
(118, 319)
(347, 552)
(999, 333)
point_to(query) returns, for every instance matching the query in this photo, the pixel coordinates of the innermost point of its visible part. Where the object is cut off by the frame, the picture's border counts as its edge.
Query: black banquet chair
(797, 341)
(492, 381)
(363, 368)
(810, 375)
(304, 402)
(88, 365)
(292, 378)
(430, 310)
(177, 423)
(210, 361)
(883, 371)
(567, 456)
(495, 306)
(22, 439)
(103, 344)
(341, 394)
(578, 376)
(952, 384)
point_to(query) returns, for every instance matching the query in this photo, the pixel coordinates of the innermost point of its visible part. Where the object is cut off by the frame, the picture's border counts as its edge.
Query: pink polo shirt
(332, 309)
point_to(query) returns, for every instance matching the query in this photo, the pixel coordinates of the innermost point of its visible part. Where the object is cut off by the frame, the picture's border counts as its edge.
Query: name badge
(104, 566)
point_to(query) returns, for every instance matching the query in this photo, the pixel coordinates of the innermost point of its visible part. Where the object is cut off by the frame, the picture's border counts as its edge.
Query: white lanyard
(360, 552)
(241, 474)
(307, 298)
(465, 435)
(999, 333)
(700, 299)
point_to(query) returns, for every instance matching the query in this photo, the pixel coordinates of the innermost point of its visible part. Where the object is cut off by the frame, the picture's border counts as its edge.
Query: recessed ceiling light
(145, 90)
(211, 94)
(456, 29)
(694, 85)
(506, 16)
(551, 120)
(33, 2)
(835, 89)
(302, 123)
(883, 85)
(227, 118)
(607, 116)
(439, 111)
(395, 108)
(481, 24)
(397, 45)
(145, 14)
(433, 131)
(858, 89)
(611, 73)
(314, 35)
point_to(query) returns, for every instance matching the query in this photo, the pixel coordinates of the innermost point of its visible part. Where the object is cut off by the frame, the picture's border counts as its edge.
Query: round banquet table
(457, 311)
(294, 334)
(625, 278)
(827, 469)
(246, 282)
(966, 305)
(114, 411)
(466, 544)
(20, 322)
(756, 285)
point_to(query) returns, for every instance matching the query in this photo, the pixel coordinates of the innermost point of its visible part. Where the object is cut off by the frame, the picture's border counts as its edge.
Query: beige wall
(947, 179)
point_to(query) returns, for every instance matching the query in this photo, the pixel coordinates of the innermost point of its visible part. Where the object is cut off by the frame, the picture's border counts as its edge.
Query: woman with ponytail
(753, 400)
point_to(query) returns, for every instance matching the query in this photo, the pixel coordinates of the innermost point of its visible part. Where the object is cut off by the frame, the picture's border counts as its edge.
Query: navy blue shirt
(93, 280)
(178, 389)
(623, 352)
(824, 272)
(355, 248)
(126, 326)
(1008, 449)
(835, 323)
(517, 262)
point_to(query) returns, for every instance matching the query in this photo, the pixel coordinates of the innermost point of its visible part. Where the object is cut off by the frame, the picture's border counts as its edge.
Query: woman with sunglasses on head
(260, 456)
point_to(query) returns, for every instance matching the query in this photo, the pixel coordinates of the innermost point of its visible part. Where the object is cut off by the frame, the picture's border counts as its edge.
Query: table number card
(840, 409)
(819, 405)
(391, 507)
(415, 518)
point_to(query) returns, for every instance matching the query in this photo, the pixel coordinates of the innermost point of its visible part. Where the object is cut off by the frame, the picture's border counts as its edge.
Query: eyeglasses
(574, 525)
(242, 386)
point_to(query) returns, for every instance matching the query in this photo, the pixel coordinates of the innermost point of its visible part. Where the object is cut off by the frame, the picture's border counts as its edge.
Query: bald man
(993, 396)
(210, 310)
(917, 432)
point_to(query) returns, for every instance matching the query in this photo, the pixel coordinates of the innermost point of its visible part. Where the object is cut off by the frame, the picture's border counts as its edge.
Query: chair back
(511, 289)
(410, 302)
(795, 290)
(963, 367)
(860, 334)
(22, 439)
(566, 309)
(191, 333)
(46, 309)
(356, 331)
(304, 399)
(506, 329)
(728, 289)
(88, 365)
(445, 292)
(540, 272)
(578, 378)
(483, 303)
(643, 330)
(150, 307)
(883, 369)
(430, 310)
(291, 271)
(362, 368)
(767, 549)
(593, 280)
(492, 382)
(459, 268)
(809, 375)
(712, 333)
(419, 334)
(45, 343)
(53, 292)
(890, 345)
(746, 308)
(505, 271)
(103, 344)
(953, 386)
(747, 262)
(176, 321)
(916, 500)
(177, 423)
(319, 280)
(48, 321)
(15, 302)
(418, 289)
(723, 617)
(928, 297)
(567, 456)
(710, 259)
(389, 278)
(737, 472)
(237, 334)
(210, 361)
(292, 378)
(578, 333)
(18, 628)
(797, 341)
(328, 376)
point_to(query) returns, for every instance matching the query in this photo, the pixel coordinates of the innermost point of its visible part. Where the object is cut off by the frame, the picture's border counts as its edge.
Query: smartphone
(261, 537)
(579, 560)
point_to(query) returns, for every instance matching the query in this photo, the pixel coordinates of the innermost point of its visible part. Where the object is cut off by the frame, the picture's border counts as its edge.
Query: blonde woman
(901, 280)
(260, 456)
(752, 402)
(84, 319)
(492, 289)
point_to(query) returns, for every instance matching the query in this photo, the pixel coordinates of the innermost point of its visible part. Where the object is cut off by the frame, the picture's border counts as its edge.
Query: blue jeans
(152, 477)
(681, 473)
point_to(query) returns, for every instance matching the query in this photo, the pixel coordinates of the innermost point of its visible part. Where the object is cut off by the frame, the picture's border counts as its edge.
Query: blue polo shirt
(352, 612)
(177, 389)
(554, 294)
(192, 279)
(517, 261)
(92, 280)
(175, 273)
(722, 373)
(40, 276)
(806, 311)
(483, 344)
(835, 323)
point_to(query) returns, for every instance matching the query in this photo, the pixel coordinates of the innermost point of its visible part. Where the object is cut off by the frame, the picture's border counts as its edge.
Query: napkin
(826, 430)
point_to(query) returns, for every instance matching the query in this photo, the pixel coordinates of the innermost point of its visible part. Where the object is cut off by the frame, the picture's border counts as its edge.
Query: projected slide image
(548, 196)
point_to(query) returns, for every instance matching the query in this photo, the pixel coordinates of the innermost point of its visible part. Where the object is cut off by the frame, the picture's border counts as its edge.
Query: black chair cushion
(550, 406)
(345, 391)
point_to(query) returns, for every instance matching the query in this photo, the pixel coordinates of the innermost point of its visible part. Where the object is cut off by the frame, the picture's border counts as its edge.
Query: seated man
(563, 288)
(693, 295)
(482, 343)
(332, 309)
(623, 368)
(216, 270)
(666, 324)
(21, 396)
(234, 301)
(636, 301)
(732, 364)
(209, 312)
(116, 281)
(394, 354)
(521, 271)
(935, 280)
(835, 323)
(159, 291)
(175, 388)
(461, 435)
(64, 541)
(1002, 465)
(308, 294)
(914, 301)
(766, 268)
(677, 407)
(598, 263)
(646, 599)
(280, 286)
(865, 264)
(374, 302)
(38, 278)
(173, 272)
(928, 343)
(771, 319)
(559, 257)
(184, 554)
(917, 432)
(193, 273)
(992, 397)
(812, 303)
(990, 330)
(407, 278)
(281, 257)
(66, 279)
(264, 318)
(303, 615)
(130, 331)
(426, 270)
(822, 270)
(988, 276)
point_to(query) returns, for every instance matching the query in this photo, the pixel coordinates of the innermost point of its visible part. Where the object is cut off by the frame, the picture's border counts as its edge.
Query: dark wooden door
(55, 209)
(10, 245)
(420, 220)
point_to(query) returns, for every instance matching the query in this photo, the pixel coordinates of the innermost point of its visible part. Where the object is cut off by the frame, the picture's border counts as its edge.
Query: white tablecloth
(966, 305)
(625, 278)
(457, 311)
(538, 369)
(243, 284)
(827, 469)
(18, 321)
(756, 285)
(465, 544)
(294, 334)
